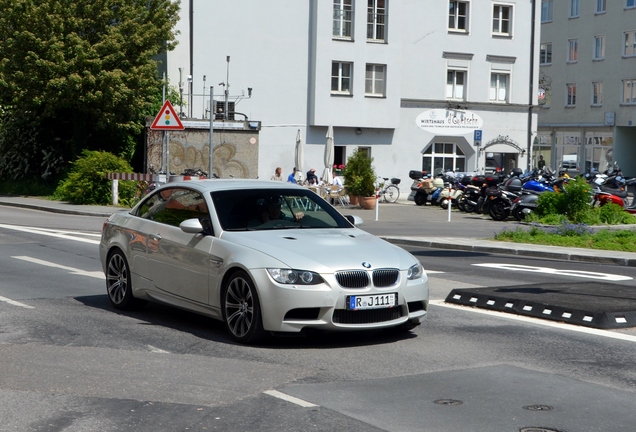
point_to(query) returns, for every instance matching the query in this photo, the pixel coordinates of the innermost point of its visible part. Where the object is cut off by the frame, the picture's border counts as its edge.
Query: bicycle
(389, 192)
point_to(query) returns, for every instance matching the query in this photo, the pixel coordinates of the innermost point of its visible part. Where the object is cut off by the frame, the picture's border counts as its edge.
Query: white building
(588, 71)
(411, 82)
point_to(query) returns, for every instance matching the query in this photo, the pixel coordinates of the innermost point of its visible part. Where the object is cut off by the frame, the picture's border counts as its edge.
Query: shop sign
(448, 121)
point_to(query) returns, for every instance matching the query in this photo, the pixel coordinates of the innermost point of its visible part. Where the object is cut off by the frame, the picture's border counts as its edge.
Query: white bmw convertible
(263, 257)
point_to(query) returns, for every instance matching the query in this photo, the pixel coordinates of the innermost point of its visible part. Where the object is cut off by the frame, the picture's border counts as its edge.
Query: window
(571, 95)
(375, 80)
(499, 87)
(630, 43)
(376, 20)
(545, 53)
(458, 16)
(631, 3)
(502, 20)
(599, 47)
(601, 6)
(342, 18)
(573, 50)
(546, 10)
(341, 74)
(442, 157)
(455, 83)
(597, 93)
(173, 206)
(575, 8)
(629, 91)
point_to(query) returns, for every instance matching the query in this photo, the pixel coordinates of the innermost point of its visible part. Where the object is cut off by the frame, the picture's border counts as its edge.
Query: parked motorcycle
(424, 187)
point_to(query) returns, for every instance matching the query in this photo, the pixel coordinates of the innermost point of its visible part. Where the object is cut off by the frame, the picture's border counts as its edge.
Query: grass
(572, 235)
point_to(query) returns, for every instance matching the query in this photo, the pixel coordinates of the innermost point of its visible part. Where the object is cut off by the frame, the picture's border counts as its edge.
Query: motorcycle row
(516, 193)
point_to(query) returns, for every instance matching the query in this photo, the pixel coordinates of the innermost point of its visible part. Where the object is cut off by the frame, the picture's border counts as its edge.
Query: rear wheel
(420, 198)
(518, 213)
(391, 194)
(498, 211)
(241, 309)
(118, 282)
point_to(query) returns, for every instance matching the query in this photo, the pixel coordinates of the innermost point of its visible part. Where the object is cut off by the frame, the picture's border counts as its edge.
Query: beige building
(587, 84)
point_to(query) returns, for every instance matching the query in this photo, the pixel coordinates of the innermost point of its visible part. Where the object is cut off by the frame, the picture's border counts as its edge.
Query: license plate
(376, 301)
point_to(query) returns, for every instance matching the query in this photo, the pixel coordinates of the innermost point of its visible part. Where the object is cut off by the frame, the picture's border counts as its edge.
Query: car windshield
(270, 209)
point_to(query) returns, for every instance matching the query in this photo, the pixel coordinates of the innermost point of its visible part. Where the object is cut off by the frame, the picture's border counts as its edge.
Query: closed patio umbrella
(329, 151)
(298, 157)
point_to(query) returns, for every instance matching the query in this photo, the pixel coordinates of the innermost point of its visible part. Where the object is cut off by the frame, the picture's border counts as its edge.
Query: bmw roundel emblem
(366, 265)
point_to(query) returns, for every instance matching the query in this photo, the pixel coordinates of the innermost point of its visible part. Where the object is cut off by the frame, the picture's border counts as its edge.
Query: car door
(178, 260)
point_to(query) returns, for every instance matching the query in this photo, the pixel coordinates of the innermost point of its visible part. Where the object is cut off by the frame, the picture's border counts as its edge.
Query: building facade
(587, 62)
(419, 85)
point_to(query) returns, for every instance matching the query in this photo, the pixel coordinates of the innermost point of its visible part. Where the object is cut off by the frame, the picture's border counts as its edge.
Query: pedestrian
(541, 162)
(292, 177)
(312, 178)
(277, 174)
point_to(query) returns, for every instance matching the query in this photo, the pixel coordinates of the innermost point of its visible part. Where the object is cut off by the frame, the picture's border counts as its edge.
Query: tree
(77, 75)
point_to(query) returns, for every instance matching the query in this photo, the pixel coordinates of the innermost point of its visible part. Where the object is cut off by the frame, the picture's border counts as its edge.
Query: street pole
(210, 168)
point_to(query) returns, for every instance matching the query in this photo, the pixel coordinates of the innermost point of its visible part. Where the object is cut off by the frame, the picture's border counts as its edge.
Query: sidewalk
(403, 223)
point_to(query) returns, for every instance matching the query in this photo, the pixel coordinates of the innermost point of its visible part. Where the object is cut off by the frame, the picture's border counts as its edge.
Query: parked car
(263, 257)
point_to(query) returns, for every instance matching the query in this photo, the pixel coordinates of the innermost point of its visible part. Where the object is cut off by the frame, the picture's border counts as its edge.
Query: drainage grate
(538, 408)
(450, 402)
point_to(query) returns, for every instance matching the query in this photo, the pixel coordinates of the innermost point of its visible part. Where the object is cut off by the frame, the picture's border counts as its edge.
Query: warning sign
(167, 119)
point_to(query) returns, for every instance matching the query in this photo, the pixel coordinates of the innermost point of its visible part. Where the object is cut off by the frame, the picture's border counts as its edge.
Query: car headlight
(298, 277)
(415, 271)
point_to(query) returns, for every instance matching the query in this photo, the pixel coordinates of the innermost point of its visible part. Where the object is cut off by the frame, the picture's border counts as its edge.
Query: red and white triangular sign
(167, 119)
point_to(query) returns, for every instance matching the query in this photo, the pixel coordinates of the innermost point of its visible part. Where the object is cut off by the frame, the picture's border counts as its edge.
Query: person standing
(541, 163)
(277, 174)
(292, 177)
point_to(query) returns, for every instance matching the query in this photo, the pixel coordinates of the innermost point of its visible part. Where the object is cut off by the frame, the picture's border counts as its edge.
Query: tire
(391, 194)
(518, 213)
(420, 198)
(498, 211)
(241, 309)
(118, 282)
(461, 203)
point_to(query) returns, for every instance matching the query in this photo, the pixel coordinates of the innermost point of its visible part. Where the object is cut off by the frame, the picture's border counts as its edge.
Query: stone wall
(235, 148)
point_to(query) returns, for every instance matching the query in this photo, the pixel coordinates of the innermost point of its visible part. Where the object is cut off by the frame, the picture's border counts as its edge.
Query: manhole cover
(538, 429)
(538, 408)
(448, 402)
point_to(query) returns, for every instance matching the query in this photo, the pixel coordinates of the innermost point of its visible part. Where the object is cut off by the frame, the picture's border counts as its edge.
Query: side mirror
(191, 226)
(355, 220)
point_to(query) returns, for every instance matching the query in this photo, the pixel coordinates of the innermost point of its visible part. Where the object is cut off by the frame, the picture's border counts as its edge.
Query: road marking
(71, 270)
(55, 233)
(291, 399)
(15, 303)
(434, 272)
(553, 324)
(548, 270)
(157, 350)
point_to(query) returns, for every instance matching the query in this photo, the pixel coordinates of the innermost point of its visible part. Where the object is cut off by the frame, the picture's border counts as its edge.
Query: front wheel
(498, 211)
(391, 194)
(518, 213)
(241, 309)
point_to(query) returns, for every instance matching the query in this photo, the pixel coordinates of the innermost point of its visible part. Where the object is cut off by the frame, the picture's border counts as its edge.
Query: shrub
(613, 214)
(86, 183)
(573, 202)
(359, 174)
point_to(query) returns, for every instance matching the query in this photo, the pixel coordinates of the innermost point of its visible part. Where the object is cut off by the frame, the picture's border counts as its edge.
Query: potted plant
(359, 177)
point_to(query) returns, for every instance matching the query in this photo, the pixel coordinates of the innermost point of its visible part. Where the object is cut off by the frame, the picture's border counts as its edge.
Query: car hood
(324, 250)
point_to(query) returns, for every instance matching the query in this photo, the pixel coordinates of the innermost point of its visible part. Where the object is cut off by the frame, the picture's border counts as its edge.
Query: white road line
(291, 399)
(552, 271)
(553, 324)
(55, 233)
(15, 303)
(434, 272)
(157, 350)
(71, 270)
